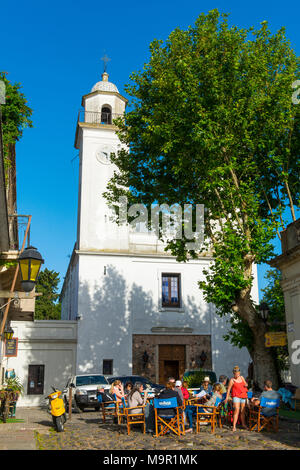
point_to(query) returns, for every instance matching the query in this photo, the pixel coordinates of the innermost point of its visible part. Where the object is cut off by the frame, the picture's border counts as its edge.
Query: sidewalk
(20, 436)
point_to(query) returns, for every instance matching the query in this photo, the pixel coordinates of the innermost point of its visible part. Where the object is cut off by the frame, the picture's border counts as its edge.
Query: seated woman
(206, 386)
(190, 410)
(117, 389)
(186, 394)
(216, 394)
(128, 387)
(135, 398)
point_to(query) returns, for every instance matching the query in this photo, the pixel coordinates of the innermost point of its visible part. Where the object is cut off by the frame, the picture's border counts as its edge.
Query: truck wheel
(77, 408)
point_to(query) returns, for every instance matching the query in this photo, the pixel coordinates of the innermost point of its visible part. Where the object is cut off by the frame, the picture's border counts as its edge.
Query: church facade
(138, 311)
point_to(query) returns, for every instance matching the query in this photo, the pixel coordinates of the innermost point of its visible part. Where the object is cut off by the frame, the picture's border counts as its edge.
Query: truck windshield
(90, 380)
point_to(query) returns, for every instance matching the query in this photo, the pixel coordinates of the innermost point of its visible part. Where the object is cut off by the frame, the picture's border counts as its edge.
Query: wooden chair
(121, 410)
(108, 408)
(210, 416)
(257, 419)
(168, 422)
(136, 418)
(221, 410)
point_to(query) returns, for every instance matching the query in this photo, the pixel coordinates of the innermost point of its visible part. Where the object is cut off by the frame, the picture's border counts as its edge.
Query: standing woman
(238, 388)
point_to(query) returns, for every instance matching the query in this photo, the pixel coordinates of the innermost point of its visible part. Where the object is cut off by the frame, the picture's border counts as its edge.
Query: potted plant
(14, 388)
(195, 380)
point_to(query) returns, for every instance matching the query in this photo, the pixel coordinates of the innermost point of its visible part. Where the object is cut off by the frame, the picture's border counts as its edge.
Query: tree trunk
(263, 360)
(11, 196)
(264, 364)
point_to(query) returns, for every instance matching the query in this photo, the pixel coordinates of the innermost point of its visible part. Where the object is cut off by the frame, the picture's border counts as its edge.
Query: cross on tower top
(105, 59)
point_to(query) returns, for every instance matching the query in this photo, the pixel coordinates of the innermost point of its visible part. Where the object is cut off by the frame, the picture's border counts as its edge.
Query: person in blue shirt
(206, 386)
(190, 410)
(268, 392)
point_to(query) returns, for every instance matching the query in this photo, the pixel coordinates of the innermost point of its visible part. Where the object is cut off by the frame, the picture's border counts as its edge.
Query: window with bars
(171, 290)
(36, 375)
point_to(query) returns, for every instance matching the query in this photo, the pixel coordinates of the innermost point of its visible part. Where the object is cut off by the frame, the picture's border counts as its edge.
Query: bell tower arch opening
(106, 114)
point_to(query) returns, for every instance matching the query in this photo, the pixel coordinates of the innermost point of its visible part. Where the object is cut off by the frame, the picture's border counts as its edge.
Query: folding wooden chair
(121, 410)
(210, 416)
(108, 408)
(220, 410)
(258, 420)
(135, 418)
(168, 422)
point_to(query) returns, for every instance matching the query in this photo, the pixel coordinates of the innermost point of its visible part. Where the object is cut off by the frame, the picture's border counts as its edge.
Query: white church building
(138, 310)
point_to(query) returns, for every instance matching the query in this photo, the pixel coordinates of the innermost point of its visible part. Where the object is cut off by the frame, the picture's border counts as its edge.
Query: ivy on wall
(15, 115)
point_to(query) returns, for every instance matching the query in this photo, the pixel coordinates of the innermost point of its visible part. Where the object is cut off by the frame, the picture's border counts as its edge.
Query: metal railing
(97, 117)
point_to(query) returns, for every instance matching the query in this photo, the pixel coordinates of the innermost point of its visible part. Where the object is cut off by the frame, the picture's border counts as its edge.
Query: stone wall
(194, 344)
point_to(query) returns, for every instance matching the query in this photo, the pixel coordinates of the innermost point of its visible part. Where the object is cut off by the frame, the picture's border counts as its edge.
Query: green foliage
(212, 122)
(47, 306)
(274, 297)
(14, 384)
(195, 380)
(15, 114)
(7, 264)
(240, 334)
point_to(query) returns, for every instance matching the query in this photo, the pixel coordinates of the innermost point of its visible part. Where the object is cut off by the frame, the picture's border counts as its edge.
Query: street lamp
(264, 311)
(200, 360)
(30, 261)
(8, 333)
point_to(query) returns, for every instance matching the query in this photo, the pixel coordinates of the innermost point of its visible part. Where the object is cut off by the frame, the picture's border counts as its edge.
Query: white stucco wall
(48, 342)
(127, 300)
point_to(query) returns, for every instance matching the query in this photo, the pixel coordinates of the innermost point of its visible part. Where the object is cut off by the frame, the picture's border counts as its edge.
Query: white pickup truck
(84, 391)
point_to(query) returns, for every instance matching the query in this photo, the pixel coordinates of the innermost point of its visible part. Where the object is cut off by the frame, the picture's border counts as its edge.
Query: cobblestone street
(86, 431)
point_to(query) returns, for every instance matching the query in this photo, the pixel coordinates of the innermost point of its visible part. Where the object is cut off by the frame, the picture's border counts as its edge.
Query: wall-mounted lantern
(30, 261)
(264, 311)
(145, 359)
(8, 333)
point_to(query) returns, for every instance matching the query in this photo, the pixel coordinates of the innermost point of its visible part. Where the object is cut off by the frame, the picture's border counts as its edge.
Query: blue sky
(54, 49)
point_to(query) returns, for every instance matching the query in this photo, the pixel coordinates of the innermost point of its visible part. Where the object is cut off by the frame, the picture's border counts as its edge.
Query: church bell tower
(96, 140)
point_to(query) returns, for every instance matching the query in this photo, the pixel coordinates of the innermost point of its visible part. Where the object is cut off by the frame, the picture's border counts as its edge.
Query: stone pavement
(86, 431)
(21, 436)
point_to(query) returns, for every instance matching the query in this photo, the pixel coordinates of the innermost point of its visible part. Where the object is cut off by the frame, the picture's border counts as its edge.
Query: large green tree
(47, 306)
(212, 122)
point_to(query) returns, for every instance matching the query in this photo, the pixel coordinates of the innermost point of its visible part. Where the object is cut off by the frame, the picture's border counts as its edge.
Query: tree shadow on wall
(105, 328)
